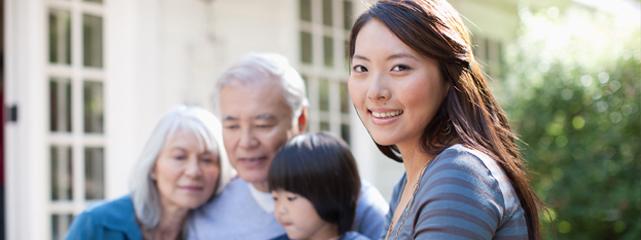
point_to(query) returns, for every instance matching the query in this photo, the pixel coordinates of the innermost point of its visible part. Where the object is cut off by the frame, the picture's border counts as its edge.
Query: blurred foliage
(573, 92)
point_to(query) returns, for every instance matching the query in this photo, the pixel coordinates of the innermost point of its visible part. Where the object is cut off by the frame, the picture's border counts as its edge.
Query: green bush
(576, 106)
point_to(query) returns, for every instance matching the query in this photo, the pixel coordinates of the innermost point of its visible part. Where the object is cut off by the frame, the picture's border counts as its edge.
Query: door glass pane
(305, 10)
(327, 13)
(94, 174)
(306, 47)
(93, 107)
(59, 37)
(60, 105)
(328, 51)
(344, 98)
(92, 40)
(345, 135)
(323, 87)
(347, 14)
(59, 225)
(61, 173)
(324, 126)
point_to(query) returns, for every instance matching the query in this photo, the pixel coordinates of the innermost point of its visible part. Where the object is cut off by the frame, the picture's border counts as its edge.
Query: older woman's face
(395, 90)
(186, 173)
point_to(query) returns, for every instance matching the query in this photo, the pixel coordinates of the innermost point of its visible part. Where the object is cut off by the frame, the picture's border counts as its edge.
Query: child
(315, 185)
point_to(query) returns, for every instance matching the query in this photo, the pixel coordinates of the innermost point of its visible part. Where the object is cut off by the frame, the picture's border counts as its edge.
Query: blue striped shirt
(463, 194)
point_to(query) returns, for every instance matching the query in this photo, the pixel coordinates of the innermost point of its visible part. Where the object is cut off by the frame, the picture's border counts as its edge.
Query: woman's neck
(171, 222)
(414, 159)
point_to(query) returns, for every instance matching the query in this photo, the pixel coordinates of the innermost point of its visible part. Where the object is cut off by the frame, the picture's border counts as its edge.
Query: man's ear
(302, 120)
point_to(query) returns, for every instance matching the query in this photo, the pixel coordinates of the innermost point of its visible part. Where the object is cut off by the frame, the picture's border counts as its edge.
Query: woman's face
(186, 173)
(395, 90)
(299, 217)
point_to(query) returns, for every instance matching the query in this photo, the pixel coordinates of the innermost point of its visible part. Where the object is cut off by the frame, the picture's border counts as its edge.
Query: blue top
(346, 236)
(463, 194)
(110, 220)
(235, 214)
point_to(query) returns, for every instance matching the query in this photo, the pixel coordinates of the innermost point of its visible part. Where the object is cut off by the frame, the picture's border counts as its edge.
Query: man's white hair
(257, 67)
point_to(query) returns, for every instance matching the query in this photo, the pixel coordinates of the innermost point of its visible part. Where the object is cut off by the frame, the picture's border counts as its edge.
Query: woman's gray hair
(255, 67)
(196, 120)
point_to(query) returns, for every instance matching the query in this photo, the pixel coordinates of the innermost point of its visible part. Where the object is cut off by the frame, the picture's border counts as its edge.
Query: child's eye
(359, 68)
(400, 67)
(292, 198)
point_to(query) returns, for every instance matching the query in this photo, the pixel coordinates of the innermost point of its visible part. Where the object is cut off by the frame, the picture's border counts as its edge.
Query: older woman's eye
(359, 68)
(400, 67)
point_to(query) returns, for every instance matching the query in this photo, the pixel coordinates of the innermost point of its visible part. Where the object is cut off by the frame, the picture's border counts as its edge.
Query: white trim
(26, 194)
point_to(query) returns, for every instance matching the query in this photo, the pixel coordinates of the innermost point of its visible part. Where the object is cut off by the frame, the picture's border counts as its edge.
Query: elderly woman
(182, 166)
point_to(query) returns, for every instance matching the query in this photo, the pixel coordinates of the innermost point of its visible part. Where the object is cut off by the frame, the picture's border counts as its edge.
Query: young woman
(421, 95)
(182, 166)
(315, 185)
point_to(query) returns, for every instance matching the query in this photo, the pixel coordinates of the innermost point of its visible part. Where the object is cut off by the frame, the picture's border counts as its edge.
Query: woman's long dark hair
(469, 114)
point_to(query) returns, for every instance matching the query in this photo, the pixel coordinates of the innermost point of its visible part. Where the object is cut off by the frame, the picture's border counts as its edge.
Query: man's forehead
(258, 116)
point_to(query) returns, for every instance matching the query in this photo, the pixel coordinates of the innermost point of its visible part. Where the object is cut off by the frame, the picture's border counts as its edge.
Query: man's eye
(232, 127)
(359, 68)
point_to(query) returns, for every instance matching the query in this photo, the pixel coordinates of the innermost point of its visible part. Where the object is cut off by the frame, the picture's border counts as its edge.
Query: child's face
(299, 218)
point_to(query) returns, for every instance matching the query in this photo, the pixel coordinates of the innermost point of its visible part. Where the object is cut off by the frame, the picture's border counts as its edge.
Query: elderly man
(262, 103)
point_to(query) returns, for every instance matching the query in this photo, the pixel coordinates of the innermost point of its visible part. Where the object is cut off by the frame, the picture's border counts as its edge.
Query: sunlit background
(84, 81)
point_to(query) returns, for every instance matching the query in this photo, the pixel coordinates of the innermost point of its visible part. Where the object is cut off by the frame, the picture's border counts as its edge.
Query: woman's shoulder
(462, 161)
(115, 215)
(118, 208)
(353, 236)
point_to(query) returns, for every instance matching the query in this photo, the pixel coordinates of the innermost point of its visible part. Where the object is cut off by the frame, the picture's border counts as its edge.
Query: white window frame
(77, 139)
(317, 71)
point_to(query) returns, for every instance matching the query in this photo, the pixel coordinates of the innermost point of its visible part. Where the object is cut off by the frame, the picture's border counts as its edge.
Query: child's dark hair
(321, 168)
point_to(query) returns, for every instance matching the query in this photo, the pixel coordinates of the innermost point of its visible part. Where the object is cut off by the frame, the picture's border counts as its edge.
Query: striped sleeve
(459, 198)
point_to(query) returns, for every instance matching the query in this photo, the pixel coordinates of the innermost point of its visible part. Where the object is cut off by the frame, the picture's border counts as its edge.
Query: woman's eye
(400, 67)
(359, 68)
(180, 157)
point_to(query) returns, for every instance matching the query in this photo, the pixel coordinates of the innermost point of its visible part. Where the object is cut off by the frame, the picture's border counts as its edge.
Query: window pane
(61, 173)
(346, 51)
(328, 48)
(323, 87)
(324, 126)
(93, 107)
(94, 1)
(92, 40)
(306, 47)
(345, 133)
(305, 10)
(59, 37)
(347, 15)
(94, 174)
(59, 225)
(60, 105)
(344, 98)
(327, 13)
